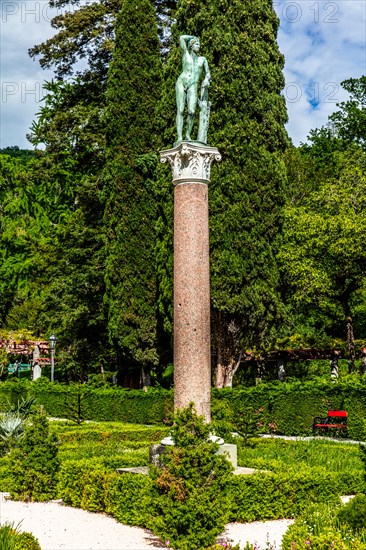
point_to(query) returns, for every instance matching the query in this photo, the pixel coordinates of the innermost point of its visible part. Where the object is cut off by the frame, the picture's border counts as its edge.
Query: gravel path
(59, 527)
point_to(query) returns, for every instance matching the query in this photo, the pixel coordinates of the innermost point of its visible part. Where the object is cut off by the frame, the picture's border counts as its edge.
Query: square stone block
(231, 452)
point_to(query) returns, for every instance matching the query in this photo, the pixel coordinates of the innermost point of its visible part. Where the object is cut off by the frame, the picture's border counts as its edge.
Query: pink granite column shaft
(192, 362)
(191, 167)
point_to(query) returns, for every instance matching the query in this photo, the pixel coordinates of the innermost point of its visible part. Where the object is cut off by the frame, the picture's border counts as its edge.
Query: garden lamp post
(52, 339)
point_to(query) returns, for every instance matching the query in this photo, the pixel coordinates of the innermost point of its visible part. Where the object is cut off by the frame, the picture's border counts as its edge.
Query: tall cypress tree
(247, 190)
(130, 215)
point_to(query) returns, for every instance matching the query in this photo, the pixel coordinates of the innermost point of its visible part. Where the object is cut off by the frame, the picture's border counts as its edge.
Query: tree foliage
(247, 189)
(323, 255)
(131, 211)
(350, 121)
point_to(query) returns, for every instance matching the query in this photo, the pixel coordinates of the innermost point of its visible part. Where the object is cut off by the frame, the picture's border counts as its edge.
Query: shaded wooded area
(86, 223)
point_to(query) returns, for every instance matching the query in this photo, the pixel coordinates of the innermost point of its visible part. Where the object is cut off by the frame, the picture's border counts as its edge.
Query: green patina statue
(187, 89)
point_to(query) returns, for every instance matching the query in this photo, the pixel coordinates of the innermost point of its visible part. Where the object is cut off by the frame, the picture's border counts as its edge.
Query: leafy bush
(12, 539)
(353, 513)
(224, 545)
(281, 455)
(26, 541)
(128, 499)
(222, 419)
(34, 463)
(5, 477)
(109, 432)
(190, 501)
(318, 529)
(71, 480)
(85, 484)
(265, 496)
(108, 458)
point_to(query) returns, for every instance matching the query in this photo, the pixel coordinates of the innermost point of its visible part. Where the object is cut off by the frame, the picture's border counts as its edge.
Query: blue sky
(323, 42)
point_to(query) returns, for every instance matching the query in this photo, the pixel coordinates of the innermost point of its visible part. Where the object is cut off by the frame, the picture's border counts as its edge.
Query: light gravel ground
(59, 527)
(259, 532)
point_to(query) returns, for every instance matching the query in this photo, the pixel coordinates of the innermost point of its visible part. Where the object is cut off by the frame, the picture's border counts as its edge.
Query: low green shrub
(72, 478)
(5, 476)
(279, 454)
(128, 497)
(285, 492)
(111, 432)
(26, 541)
(97, 483)
(33, 464)
(189, 503)
(121, 458)
(265, 496)
(85, 484)
(317, 528)
(224, 545)
(353, 513)
(12, 539)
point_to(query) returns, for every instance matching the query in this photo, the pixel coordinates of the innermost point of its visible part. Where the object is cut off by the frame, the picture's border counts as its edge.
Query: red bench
(336, 421)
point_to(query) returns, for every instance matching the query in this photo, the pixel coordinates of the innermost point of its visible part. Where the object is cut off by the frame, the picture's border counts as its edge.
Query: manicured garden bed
(294, 473)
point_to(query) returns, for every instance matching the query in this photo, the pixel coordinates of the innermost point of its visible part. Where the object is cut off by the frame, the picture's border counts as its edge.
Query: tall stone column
(191, 165)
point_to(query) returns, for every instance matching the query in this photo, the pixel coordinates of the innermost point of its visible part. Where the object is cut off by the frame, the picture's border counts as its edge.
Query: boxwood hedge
(281, 408)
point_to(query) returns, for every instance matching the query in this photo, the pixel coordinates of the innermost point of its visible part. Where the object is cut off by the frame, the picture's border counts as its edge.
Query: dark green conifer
(131, 211)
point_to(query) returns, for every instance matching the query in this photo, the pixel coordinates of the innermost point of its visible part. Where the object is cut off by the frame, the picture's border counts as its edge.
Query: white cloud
(323, 42)
(23, 24)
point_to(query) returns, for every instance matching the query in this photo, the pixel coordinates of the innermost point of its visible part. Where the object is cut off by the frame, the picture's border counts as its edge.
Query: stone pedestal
(191, 165)
(229, 450)
(37, 372)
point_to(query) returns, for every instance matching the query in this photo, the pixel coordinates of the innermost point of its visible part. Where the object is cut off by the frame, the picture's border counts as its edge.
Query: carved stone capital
(190, 162)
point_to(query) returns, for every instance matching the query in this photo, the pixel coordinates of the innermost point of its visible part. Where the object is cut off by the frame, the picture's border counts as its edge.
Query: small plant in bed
(322, 527)
(190, 503)
(33, 464)
(12, 539)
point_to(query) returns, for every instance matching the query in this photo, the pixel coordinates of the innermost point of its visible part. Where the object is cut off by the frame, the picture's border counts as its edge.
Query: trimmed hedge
(290, 408)
(100, 404)
(261, 496)
(87, 485)
(106, 404)
(265, 496)
(139, 435)
(282, 408)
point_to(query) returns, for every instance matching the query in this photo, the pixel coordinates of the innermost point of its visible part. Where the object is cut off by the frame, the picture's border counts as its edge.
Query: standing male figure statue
(187, 84)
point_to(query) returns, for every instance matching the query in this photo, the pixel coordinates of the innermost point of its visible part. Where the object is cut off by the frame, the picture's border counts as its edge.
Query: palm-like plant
(22, 407)
(11, 431)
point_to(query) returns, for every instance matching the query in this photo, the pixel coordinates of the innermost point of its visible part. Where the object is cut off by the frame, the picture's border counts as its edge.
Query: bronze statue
(187, 89)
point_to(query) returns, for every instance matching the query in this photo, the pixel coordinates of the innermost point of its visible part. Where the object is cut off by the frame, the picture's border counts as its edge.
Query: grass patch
(279, 455)
(111, 444)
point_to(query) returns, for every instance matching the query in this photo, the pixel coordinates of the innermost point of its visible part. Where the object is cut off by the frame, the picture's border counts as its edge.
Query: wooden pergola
(27, 348)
